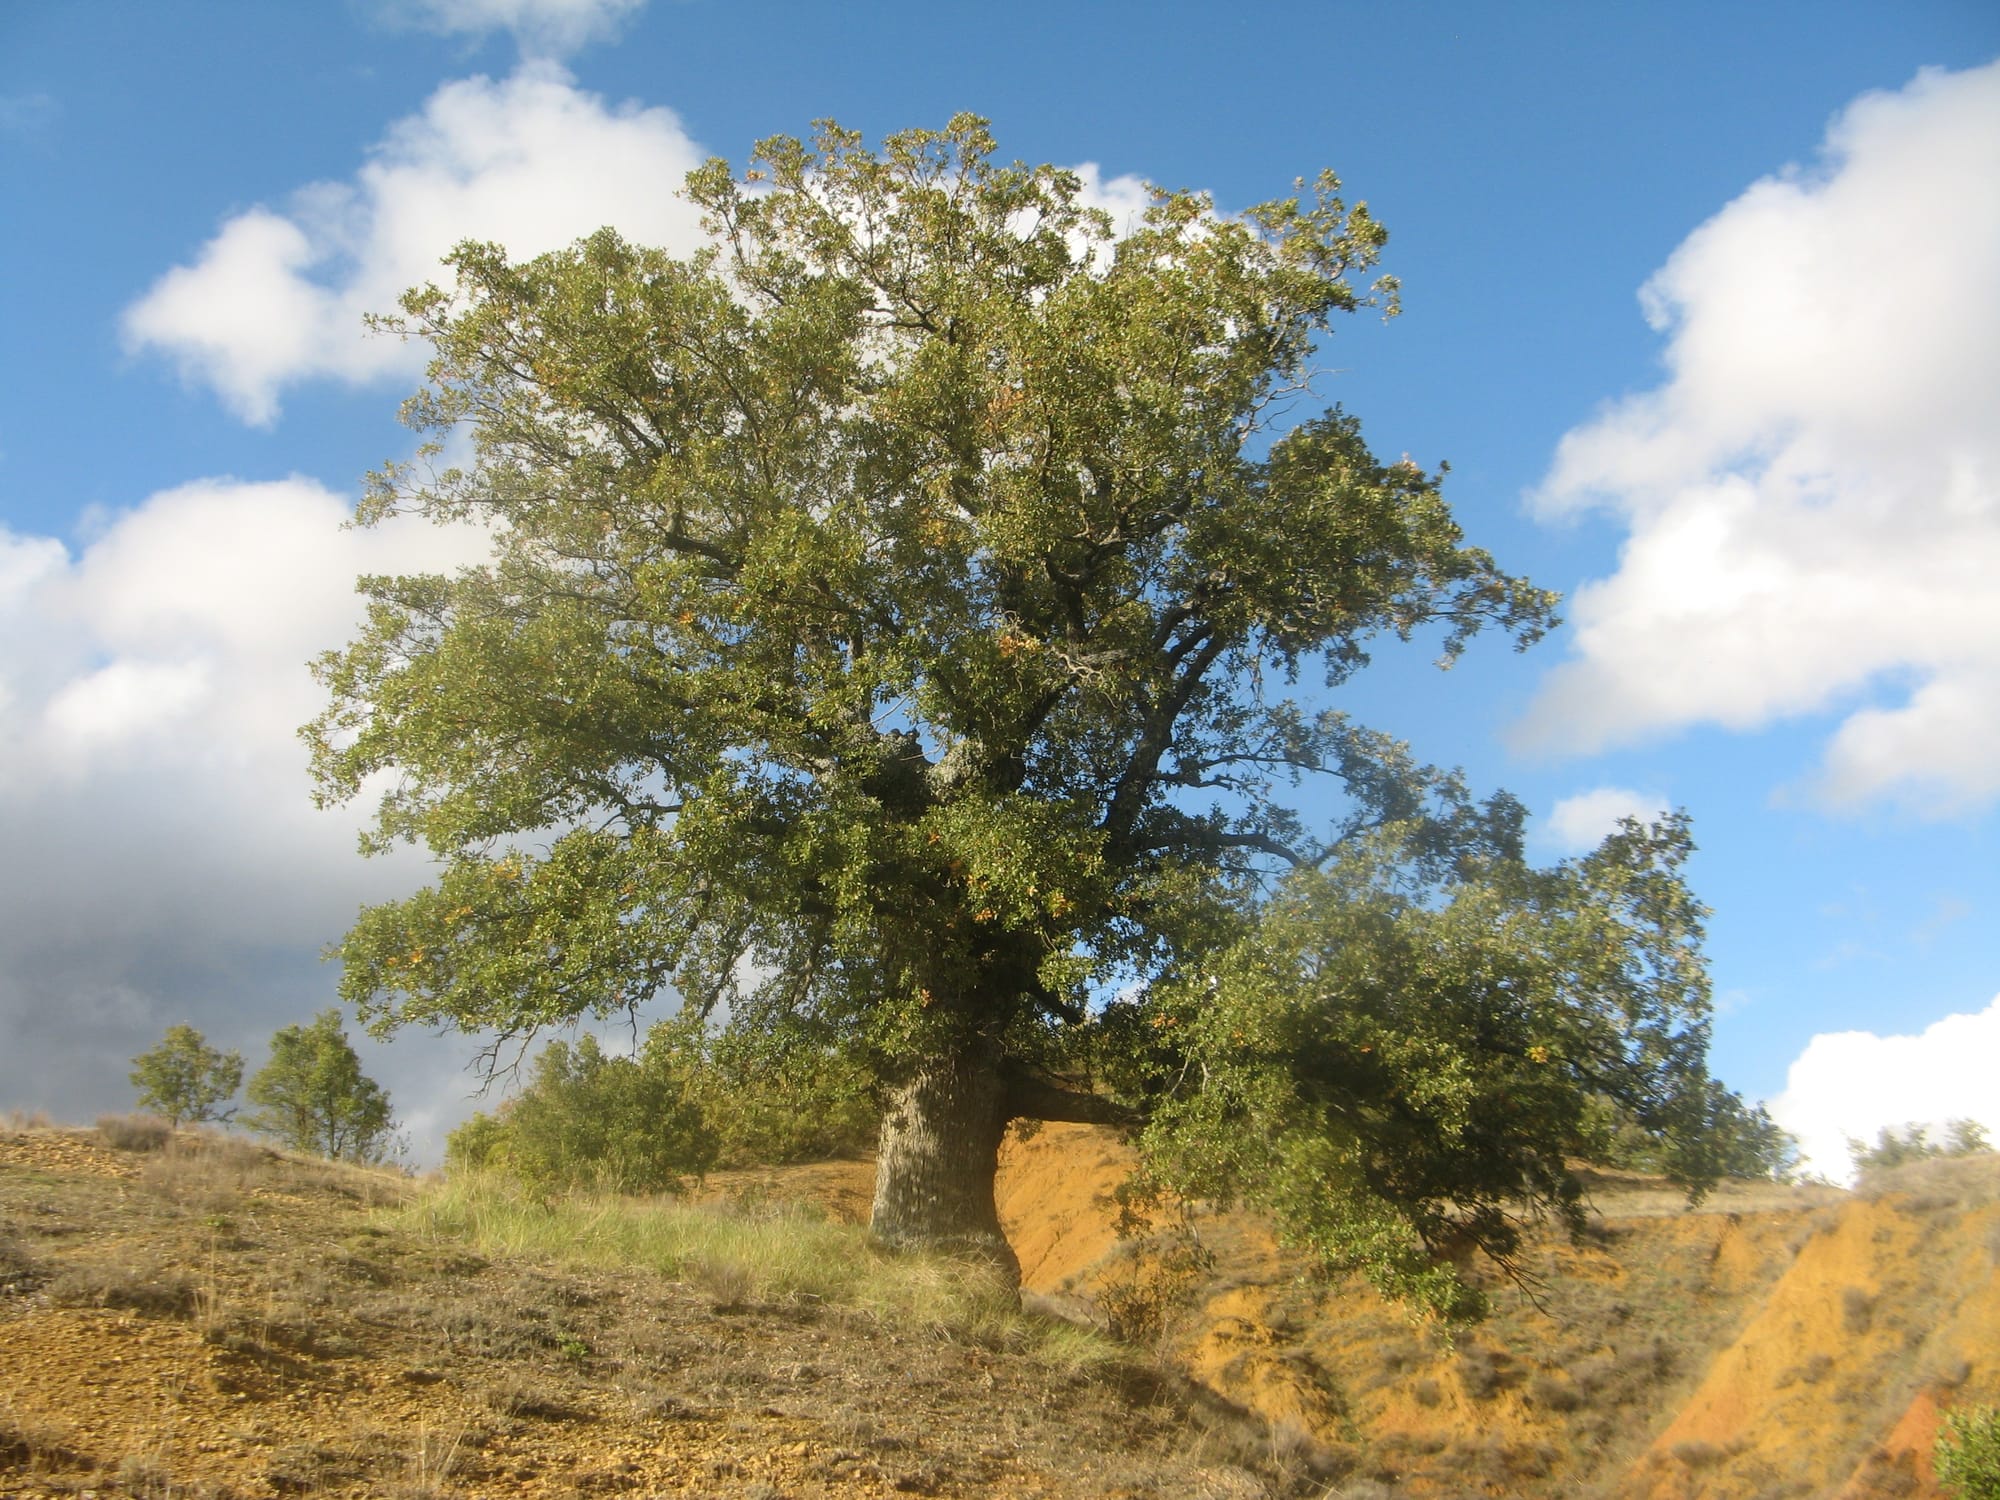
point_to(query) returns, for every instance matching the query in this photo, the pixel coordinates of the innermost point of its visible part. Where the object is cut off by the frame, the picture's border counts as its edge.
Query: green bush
(692, 1099)
(479, 1145)
(1968, 1453)
(779, 1097)
(591, 1119)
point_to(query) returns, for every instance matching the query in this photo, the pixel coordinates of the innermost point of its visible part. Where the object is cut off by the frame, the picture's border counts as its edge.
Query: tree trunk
(939, 1151)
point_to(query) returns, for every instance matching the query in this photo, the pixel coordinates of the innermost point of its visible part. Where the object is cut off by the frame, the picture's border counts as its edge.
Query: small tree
(185, 1079)
(1893, 1147)
(313, 1096)
(1968, 1453)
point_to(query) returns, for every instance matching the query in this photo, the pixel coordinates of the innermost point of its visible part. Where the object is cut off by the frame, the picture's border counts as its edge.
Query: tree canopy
(1400, 1058)
(893, 626)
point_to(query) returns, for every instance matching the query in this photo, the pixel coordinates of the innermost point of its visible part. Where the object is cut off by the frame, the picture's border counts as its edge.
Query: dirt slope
(227, 1323)
(231, 1324)
(1779, 1342)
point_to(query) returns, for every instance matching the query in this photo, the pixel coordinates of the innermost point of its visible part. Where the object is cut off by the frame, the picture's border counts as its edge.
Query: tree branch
(1030, 1096)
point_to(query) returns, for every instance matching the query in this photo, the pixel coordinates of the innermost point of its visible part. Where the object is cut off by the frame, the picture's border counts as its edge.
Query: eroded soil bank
(1776, 1341)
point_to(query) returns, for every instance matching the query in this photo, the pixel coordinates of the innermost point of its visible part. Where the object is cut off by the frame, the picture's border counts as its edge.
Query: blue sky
(1701, 305)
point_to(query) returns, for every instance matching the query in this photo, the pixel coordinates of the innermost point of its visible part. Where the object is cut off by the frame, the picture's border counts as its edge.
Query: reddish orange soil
(1777, 1341)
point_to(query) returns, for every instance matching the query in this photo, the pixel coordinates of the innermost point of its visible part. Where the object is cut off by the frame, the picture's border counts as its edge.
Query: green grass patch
(767, 1253)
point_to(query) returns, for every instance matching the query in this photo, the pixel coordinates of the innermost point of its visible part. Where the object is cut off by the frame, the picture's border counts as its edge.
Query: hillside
(220, 1320)
(1778, 1342)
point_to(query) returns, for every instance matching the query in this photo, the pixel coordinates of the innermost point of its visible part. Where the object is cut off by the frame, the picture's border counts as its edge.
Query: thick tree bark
(939, 1150)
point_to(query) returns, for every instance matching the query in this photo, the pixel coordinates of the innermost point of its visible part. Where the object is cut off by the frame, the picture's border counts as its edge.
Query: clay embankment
(1777, 1341)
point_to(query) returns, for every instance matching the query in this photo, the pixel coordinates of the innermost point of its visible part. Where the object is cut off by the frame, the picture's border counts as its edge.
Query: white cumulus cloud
(1813, 493)
(163, 859)
(1581, 822)
(1853, 1083)
(530, 161)
(542, 28)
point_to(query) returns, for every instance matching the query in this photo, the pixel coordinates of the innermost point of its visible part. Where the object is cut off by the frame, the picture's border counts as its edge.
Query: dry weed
(134, 1132)
(149, 1289)
(32, 1444)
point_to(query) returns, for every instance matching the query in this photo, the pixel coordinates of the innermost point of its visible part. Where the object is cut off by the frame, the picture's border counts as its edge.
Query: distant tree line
(1893, 1146)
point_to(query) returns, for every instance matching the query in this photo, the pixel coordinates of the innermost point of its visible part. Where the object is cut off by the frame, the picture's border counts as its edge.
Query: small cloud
(27, 114)
(1730, 1001)
(1945, 912)
(1580, 823)
(1847, 951)
(1853, 1083)
(541, 28)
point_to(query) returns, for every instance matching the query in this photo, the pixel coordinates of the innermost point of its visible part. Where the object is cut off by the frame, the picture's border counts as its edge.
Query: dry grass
(148, 1288)
(211, 1317)
(32, 1444)
(768, 1253)
(134, 1132)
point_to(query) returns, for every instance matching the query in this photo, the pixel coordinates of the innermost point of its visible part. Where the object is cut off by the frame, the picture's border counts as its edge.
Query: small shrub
(1696, 1454)
(1554, 1392)
(204, 1174)
(1484, 1372)
(1968, 1453)
(1811, 1372)
(1950, 1373)
(1299, 1457)
(1427, 1392)
(1153, 1285)
(515, 1396)
(134, 1132)
(1857, 1310)
(20, 1272)
(153, 1291)
(1528, 1460)
(33, 1445)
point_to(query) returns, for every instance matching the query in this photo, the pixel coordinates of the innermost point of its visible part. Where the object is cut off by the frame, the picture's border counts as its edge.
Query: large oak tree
(888, 628)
